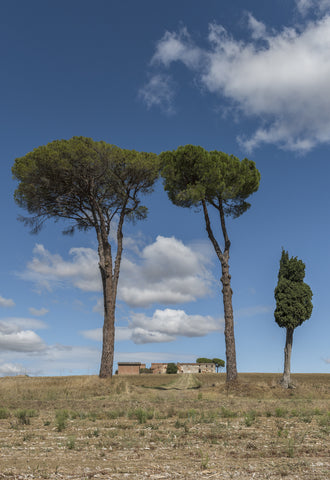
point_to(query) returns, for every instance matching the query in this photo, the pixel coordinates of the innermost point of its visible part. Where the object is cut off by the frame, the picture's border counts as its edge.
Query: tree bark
(286, 380)
(231, 367)
(110, 277)
(109, 300)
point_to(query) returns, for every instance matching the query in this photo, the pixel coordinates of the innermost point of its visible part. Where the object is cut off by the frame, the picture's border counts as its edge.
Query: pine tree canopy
(192, 174)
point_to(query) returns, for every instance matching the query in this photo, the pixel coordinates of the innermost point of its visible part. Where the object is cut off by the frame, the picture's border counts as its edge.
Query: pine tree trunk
(286, 380)
(109, 300)
(231, 367)
(227, 293)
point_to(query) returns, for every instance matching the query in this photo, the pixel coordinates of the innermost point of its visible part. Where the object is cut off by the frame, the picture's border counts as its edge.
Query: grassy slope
(155, 426)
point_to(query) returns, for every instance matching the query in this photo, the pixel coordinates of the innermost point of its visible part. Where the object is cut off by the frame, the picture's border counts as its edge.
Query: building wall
(129, 368)
(207, 368)
(188, 368)
(196, 368)
(159, 368)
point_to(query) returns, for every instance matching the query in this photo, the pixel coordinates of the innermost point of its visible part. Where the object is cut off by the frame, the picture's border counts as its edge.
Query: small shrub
(113, 414)
(172, 368)
(226, 413)
(280, 412)
(4, 413)
(71, 443)
(61, 417)
(24, 416)
(141, 415)
(250, 417)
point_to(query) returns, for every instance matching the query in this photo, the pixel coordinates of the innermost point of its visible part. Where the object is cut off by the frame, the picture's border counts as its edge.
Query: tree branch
(215, 244)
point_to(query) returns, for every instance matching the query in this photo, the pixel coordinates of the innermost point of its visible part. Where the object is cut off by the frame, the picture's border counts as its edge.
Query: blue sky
(249, 78)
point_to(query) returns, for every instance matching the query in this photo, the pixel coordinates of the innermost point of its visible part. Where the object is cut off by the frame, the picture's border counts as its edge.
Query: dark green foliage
(192, 174)
(293, 296)
(83, 181)
(172, 368)
(204, 360)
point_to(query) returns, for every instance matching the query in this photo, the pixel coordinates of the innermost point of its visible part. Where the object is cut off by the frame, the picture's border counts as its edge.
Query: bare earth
(165, 427)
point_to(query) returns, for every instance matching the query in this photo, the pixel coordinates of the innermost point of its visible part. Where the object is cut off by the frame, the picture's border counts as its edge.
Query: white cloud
(166, 325)
(305, 6)
(258, 29)
(326, 360)
(121, 334)
(159, 91)
(178, 47)
(8, 369)
(16, 335)
(47, 269)
(282, 81)
(168, 272)
(55, 360)
(22, 341)
(38, 313)
(6, 302)
(21, 323)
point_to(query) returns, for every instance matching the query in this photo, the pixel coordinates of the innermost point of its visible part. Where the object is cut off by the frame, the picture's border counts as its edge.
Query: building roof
(129, 363)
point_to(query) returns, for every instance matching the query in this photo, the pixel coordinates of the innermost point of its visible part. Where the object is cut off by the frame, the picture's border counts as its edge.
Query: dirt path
(185, 381)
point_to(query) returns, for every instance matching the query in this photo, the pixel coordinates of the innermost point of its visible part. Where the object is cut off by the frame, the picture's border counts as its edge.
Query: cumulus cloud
(21, 341)
(326, 360)
(166, 325)
(169, 273)
(280, 78)
(38, 313)
(47, 269)
(16, 335)
(163, 326)
(166, 271)
(121, 334)
(6, 302)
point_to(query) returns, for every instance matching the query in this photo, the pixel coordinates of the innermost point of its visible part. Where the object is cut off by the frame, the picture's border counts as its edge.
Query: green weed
(71, 443)
(4, 413)
(61, 418)
(250, 417)
(226, 413)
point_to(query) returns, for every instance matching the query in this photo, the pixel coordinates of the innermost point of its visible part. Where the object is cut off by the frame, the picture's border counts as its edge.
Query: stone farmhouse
(134, 368)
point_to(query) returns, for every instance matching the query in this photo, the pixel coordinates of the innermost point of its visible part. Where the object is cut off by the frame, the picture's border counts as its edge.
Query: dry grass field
(164, 427)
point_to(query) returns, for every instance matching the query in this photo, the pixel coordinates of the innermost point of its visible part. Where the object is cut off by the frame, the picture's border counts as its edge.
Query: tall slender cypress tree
(293, 304)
